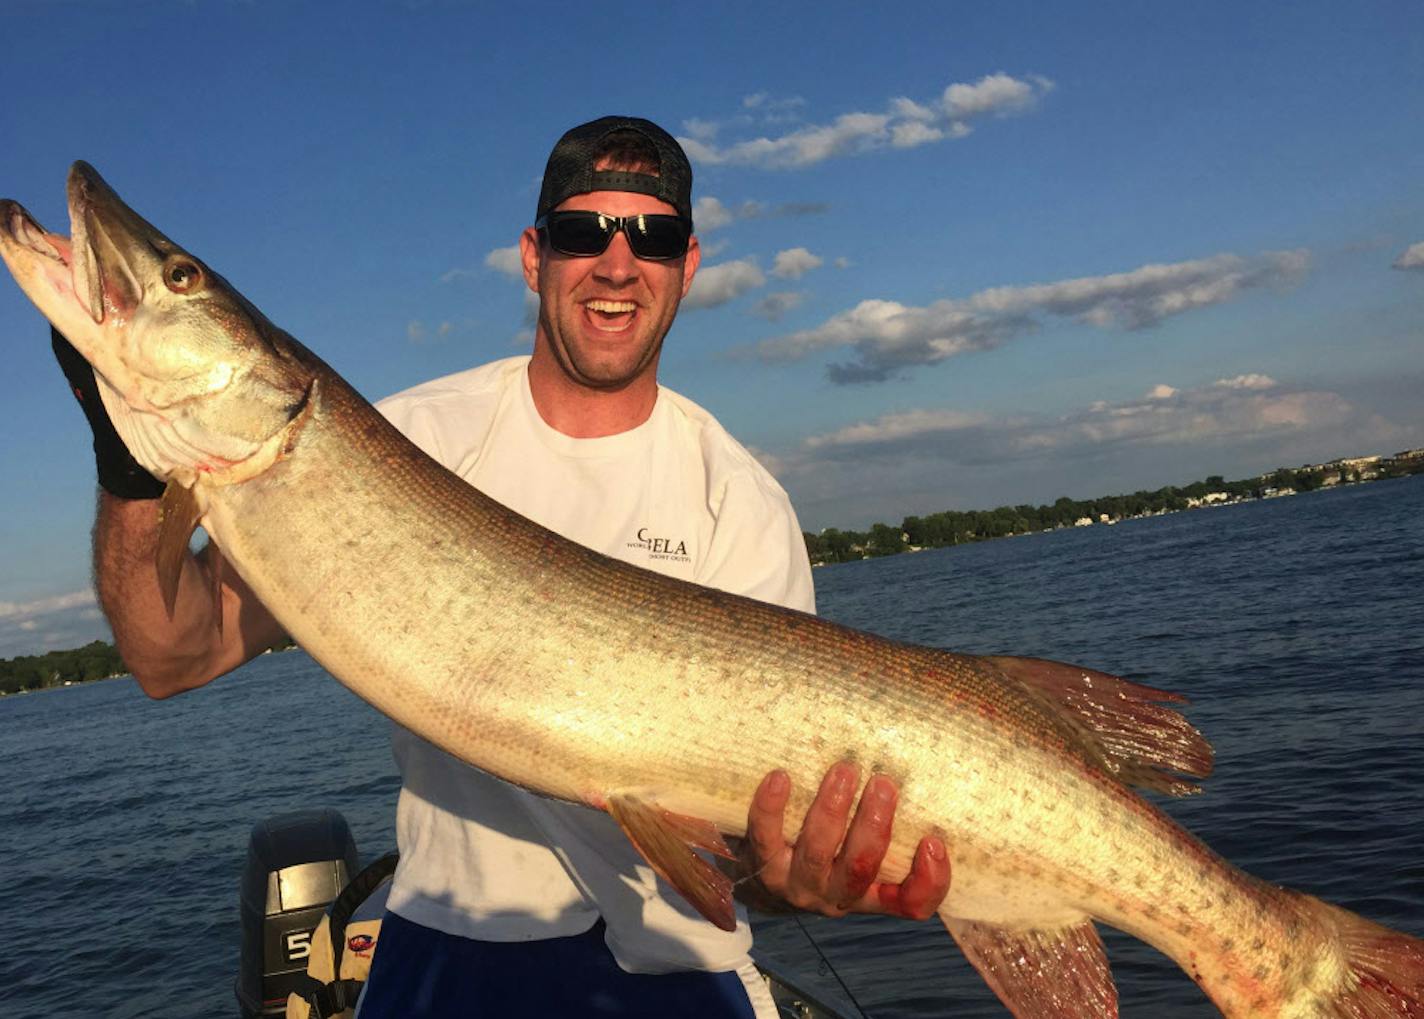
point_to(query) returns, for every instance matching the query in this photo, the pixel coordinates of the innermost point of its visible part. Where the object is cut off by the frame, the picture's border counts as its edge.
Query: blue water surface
(1294, 625)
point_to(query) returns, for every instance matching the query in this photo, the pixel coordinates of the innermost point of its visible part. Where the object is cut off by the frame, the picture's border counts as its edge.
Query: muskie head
(199, 384)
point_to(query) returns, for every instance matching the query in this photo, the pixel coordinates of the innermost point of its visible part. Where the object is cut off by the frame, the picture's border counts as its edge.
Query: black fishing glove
(119, 473)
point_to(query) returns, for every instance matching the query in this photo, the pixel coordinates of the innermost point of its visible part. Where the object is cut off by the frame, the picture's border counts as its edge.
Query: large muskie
(545, 663)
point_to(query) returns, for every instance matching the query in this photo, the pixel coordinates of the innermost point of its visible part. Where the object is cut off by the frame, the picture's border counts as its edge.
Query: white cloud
(1215, 413)
(888, 337)
(708, 214)
(905, 124)
(700, 128)
(718, 284)
(506, 261)
(908, 109)
(994, 93)
(772, 109)
(1252, 381)
(1412, 258)
(12, 610)
(418, 332)
(897, 427)
(911, 133)
(46, 624)
(776, 304)
(793, 263)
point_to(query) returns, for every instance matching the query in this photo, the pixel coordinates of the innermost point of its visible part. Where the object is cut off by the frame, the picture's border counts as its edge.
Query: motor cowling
(296, 865)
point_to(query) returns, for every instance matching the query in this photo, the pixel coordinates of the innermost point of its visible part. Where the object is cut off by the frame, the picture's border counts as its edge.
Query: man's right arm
(169, 655)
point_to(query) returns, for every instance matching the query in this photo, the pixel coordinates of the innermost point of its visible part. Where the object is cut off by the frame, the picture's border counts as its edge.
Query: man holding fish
(506, 903)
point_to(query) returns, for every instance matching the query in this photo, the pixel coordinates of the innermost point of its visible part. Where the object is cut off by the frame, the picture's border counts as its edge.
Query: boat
(311, 924)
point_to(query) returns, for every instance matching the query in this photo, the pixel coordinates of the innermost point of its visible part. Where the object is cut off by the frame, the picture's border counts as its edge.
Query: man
(504, 903)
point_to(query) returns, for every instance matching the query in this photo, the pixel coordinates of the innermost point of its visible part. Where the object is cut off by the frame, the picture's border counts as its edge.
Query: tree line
(958, 527)
(95, 660)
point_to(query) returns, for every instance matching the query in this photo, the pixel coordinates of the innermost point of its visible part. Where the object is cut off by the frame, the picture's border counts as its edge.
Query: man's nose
(618, 265)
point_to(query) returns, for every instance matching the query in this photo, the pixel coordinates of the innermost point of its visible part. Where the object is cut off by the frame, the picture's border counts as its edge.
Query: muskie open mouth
(26, 230)
(57, 249)
(98, 292)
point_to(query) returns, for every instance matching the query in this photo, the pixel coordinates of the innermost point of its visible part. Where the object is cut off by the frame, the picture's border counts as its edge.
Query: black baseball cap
(570, 169)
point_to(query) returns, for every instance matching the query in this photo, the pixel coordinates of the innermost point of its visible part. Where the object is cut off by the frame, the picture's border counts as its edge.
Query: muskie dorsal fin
(1045, 973)
(667, 841)
(1143, 742)
(178, 515)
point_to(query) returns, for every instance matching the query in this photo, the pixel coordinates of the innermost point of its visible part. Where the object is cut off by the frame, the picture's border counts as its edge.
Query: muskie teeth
(29, 233)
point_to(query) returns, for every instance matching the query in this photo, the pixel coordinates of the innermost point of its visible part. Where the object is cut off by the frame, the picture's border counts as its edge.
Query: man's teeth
(611, 307)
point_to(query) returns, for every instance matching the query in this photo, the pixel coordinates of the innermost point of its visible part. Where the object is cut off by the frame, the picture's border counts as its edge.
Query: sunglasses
(656, 238)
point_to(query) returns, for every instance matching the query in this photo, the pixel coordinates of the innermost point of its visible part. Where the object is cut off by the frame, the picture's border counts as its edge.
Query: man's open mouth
(610, 316)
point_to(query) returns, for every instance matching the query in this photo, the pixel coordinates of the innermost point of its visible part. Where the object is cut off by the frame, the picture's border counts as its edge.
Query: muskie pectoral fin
(1041, 973)
(178, 515)
(668, 842)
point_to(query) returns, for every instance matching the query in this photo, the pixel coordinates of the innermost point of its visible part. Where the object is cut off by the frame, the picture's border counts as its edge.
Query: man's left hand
(832, 866)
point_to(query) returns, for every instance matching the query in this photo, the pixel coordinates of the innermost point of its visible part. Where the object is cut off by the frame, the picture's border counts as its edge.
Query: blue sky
(957, 255)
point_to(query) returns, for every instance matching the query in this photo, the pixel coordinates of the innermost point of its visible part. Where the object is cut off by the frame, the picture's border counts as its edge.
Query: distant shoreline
(54, 670)
(960, 527)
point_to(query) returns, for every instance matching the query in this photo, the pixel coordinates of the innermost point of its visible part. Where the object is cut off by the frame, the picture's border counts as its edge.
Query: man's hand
(119, 473)
(831, 868)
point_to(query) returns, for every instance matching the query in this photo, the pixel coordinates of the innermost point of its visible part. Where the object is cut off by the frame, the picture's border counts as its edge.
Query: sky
(956, 255)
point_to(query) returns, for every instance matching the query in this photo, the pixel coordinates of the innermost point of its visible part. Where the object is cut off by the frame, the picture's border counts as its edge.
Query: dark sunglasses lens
(657, 237)
(580, 234)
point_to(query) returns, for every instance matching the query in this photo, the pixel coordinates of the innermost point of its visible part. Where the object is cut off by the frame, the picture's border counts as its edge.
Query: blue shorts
(419, 973)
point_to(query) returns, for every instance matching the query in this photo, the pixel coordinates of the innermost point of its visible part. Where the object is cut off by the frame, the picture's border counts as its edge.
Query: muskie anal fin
(1041, 973)
(1143, 742)
(178, 515)
(669, 842)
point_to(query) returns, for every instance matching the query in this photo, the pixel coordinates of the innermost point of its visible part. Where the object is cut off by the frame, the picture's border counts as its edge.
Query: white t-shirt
(481, 858)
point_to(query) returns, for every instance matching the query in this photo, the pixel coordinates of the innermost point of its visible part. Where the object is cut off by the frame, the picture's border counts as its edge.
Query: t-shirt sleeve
(757, 548)
(416, 423)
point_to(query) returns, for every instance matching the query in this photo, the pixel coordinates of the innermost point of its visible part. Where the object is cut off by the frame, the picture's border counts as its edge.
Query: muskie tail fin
(1383, 976)
(1326, 963)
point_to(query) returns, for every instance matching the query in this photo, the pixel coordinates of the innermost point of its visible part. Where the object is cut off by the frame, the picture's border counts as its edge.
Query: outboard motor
(296, 865)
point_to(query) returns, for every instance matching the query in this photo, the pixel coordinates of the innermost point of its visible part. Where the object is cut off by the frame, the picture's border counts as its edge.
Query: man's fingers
(865, 843)
(766, 820)
(825, 826)
(924, 888)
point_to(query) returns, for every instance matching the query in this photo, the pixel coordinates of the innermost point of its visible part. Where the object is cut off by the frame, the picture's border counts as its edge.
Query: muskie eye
(182, 276)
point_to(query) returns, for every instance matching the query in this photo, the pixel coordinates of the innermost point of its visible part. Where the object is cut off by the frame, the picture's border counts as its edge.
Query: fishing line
(827, 963)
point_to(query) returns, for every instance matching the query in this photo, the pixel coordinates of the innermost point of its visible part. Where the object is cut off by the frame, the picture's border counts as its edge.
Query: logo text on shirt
(661, 548)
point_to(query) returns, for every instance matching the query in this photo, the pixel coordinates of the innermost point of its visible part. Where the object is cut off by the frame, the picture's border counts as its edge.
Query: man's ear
(531, 255)
(690, 262)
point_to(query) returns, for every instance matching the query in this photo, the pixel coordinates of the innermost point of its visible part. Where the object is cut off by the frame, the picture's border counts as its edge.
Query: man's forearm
(170, 654)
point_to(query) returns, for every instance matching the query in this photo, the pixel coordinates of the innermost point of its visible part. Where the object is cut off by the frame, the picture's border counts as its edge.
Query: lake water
(1295, 625)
